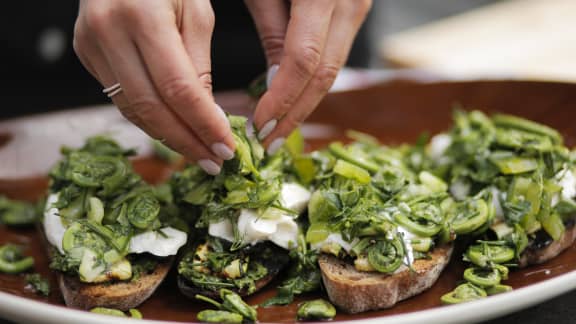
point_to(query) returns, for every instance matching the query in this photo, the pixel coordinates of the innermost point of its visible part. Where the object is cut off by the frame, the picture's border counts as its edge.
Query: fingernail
(222, 113)
(267, 129)
(209, 166)
(270, 75)
(222, 151)
(275, 145)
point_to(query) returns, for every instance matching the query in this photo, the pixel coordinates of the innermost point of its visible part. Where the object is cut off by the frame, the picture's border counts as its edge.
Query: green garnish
(463, 293)
(318, 309)
(12, 261)
(38, 284)
(219, 316)
(165, 153)
(518, 165)
(17, 213)
(366, 193)
(303, 276)
(103, 203)
(134, 313)
(231, 303)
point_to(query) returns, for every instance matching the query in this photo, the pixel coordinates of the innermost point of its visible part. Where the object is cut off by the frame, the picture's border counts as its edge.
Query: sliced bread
(537, 252)
(121, 295)
(357, 291)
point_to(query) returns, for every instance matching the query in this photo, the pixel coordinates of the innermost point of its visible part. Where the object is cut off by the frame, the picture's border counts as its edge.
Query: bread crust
(356, 291)
(121, 295)
(543, 254)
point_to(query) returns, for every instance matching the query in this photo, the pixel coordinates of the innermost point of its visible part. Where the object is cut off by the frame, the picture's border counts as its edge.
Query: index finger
(177, 81)
(305, 41)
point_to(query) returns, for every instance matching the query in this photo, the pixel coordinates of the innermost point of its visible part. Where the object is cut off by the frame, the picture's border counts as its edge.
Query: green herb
(367, 194)
(12, 261)
(249, 180)
(165, 153)
(219, 316)
(17, 213)
(134, 313)
(257, 87)
(464, 293)
(231, 302)
(39, 284)
(520, 164)
(303, 276)
(318, 309)
(142, 265)
(206, 266)
(103, 203)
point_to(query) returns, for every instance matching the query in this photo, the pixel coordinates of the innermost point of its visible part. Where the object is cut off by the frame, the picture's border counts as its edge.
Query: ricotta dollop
(160, 244)
(280, 228)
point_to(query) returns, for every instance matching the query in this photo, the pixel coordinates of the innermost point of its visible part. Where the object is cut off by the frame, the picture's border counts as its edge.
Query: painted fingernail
(267, 129)
(270, 75)
(222, 151)
(222, 113)
(209, 166)
(275, 145)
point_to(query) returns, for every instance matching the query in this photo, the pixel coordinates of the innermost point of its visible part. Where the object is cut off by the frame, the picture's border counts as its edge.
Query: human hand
(310, 40)
(159, 52)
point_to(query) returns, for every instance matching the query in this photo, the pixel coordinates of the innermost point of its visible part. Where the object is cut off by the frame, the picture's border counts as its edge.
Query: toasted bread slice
(356, 291)
(121, 295)
(272, 265)
(537, 253)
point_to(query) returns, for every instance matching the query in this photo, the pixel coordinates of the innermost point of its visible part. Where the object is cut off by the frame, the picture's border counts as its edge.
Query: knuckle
(206, 80)
(137, 18)
(205, 22)
(98, 19)
(80, 41)
(78, 38)
(141, 110)
(325, 76)
(177, 88)
(77, 45)
(307, 59)
(287, 101)
(273, 44)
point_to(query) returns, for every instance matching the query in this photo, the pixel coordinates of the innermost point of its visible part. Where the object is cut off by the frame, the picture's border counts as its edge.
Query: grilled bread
(121, 295)
(544, 249)
(356, 291)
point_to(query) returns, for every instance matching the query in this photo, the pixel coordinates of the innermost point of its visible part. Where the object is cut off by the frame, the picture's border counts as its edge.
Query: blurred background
(448, 38)
(423, 39)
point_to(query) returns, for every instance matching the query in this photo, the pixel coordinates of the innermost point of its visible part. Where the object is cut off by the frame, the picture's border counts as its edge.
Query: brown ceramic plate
(395, 112)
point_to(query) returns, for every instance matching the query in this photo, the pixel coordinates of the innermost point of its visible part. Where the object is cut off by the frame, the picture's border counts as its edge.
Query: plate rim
(22, 309)
(18, 308)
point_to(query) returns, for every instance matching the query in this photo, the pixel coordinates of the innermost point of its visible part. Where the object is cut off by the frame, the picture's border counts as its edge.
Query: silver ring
(112, 90)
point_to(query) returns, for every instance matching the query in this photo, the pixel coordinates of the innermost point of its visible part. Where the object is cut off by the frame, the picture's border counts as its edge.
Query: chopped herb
(17, 213)
(38, 284)
(134, 313)
(13, 261)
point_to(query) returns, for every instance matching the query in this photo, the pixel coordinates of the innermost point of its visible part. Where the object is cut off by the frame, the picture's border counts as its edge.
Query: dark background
(36, 81)
(32, 83)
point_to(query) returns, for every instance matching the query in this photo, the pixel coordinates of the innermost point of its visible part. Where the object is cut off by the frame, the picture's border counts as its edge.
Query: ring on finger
(112, 90)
